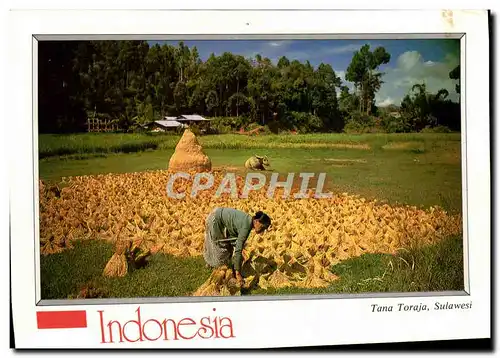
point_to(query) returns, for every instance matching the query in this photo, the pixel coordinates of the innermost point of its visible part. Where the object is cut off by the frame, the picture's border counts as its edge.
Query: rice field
(58, 145)
(420, 170)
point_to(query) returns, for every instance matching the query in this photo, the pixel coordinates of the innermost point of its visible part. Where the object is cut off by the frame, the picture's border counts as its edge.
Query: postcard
(249, 179)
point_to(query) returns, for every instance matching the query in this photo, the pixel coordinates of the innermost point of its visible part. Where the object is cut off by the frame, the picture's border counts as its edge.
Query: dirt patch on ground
(452, 156)
(351, 146)
(336, 164)
(337, 160)
(227, 169)
(404, 145)
(362, 146)
(346, 160)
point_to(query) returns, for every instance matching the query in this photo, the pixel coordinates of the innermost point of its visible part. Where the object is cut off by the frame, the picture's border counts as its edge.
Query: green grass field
(434, 268)
(414, 169)
(85, 143)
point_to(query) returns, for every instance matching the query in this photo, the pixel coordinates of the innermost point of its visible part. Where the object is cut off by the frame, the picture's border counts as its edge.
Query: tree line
(132, 83)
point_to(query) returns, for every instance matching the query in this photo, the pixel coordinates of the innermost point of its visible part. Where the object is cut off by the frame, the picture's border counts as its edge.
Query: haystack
(189, 155)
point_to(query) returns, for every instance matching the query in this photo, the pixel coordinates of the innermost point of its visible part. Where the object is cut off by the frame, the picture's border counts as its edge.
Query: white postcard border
(278, 323)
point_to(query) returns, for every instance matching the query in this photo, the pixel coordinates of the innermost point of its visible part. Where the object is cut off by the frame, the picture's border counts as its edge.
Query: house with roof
(395, 114)
(192, 118)
(169, 123)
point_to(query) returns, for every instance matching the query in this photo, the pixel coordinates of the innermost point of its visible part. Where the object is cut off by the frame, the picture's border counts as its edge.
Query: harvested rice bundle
(117, 266)
(279, 280)
(55, 243)
(220, 283)
(313, 282)
(212, 285)
(50, 246)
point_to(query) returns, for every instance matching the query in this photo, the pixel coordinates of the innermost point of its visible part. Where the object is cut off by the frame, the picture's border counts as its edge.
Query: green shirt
(236, 228)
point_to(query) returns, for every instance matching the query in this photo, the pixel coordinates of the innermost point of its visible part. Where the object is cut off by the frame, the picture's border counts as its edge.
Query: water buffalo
(256, 162)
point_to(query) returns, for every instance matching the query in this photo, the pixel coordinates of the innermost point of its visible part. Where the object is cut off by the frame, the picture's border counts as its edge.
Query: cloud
(343, 49)
(386, 102)
(409, 60)
(277, 43)
(346, 49)
(270, 49)
(278, 48)
(275, 49)
(340, 74)
(411, 68)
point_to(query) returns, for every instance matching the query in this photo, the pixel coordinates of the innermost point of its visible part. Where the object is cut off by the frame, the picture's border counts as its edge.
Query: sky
(412, 61)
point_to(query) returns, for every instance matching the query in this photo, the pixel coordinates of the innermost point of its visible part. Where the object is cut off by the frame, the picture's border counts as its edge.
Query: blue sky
(412, 61)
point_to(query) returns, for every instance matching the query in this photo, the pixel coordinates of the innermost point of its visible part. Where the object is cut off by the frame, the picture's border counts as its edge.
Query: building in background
(179, 122)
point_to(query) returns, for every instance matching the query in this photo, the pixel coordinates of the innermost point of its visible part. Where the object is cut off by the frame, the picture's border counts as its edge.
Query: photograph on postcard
(223, 179)
(247, 167)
